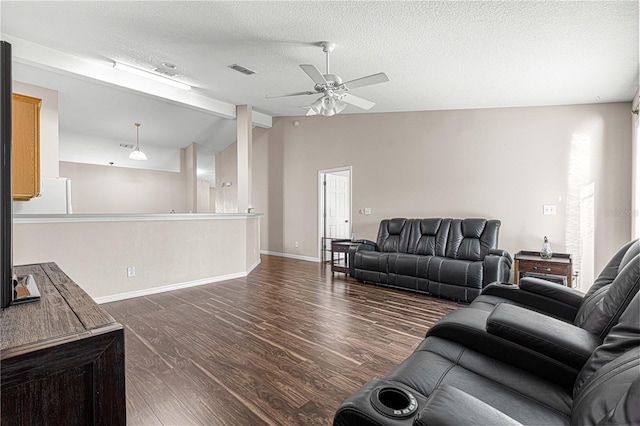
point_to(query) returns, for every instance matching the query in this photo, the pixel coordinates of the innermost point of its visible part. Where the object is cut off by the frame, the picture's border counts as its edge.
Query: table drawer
(542, 267)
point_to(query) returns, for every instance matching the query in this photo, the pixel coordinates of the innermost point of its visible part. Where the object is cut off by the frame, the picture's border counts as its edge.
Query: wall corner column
(191, 170)
(245, 143)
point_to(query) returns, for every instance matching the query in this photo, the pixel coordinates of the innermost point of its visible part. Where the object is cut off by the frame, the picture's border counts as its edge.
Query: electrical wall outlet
(296, 244)
(367, 210)
(131, 271)
(549, 209)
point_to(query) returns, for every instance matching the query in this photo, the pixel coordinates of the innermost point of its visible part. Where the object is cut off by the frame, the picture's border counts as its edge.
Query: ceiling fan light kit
(326, 106)
(334, 97)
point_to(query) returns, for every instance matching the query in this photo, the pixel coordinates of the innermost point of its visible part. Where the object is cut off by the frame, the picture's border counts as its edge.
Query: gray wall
(492, 163)
(108, 189)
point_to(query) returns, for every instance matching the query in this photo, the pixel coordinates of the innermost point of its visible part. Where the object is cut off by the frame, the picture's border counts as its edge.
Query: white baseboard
(170, 287)
(291, 256)
(254, 266)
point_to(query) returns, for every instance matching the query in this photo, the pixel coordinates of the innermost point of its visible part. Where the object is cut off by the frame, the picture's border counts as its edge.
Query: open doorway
(334, 207)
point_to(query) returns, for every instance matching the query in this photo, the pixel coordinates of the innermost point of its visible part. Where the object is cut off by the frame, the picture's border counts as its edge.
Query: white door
(337, 205)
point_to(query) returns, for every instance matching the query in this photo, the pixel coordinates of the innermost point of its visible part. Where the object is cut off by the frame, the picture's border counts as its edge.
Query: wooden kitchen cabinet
(25, 147)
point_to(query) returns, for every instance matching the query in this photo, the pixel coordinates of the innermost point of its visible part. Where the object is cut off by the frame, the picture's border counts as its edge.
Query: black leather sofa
(525, 364)
(452, 258)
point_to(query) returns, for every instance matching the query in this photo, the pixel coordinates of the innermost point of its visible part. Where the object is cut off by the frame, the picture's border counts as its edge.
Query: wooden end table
(557, 269)
(341, 264)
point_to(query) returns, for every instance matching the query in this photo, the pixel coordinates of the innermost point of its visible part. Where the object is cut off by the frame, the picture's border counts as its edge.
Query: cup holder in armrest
(393, 402)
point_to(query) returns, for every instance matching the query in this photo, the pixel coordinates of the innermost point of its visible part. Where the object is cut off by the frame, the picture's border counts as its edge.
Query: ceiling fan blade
(367, 81)
(307, 92)
(358, 102)
(314, 73)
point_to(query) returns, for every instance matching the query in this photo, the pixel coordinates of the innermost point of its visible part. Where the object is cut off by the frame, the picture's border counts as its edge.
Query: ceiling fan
(335, 96)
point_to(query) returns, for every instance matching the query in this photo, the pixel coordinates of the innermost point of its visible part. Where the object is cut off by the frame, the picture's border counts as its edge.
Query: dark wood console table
(62, 358)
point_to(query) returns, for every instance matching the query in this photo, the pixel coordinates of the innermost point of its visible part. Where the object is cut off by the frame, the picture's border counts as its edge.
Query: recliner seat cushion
(371, 266)
(404, 264)
(403, 270)
(372, 260)
(461, 272)
(487, 302)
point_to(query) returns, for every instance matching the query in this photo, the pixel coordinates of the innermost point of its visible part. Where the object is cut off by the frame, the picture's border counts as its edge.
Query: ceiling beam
(44, 57)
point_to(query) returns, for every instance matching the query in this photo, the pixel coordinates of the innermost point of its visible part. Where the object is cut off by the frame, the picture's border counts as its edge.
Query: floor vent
(240, 68)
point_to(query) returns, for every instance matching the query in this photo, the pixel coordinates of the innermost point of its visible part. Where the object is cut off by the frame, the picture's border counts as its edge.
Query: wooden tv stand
(62, 358)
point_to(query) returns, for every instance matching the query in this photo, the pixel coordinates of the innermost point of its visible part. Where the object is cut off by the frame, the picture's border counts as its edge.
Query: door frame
(321, 202)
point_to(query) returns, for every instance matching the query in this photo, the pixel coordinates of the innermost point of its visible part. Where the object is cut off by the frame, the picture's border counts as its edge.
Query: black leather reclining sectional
(537, 354)
(452, 258)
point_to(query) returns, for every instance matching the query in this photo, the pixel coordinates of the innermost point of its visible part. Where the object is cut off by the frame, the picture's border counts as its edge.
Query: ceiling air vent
(241, 69)
(126, 145)
(165, 72)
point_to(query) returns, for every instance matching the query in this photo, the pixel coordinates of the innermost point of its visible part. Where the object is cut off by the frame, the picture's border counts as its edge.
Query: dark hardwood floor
(283, 346)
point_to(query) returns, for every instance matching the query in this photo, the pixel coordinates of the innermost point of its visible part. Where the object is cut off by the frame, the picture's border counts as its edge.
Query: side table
(558, 269)
(326, 247)
(341, 264)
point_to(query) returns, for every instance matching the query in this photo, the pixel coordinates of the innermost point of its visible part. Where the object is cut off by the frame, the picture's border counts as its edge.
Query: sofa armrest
(502, 253)
(359, 410)
(538, 297)
(468, 327)
(359, 245)
(549, 336)
(496, 267)
(368, 243)
(569, 296)
(449, 406)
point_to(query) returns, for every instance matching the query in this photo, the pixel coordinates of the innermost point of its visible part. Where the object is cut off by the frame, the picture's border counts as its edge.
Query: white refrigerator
(54, 198)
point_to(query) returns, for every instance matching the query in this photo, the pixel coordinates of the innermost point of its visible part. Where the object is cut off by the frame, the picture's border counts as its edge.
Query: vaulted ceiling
(437, 55)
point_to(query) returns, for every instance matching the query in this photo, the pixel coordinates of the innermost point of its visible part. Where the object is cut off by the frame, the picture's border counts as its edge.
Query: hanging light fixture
(332, 105)
(136, 154)
(328, 105)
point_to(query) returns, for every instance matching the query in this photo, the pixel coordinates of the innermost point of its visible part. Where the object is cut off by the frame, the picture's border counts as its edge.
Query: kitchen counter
(117, 256)
(126, 217)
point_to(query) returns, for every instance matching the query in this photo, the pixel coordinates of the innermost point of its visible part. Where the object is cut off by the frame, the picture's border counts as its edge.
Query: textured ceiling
(438, 55)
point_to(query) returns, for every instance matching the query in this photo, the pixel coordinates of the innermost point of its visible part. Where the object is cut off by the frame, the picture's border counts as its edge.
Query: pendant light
(136, 154)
